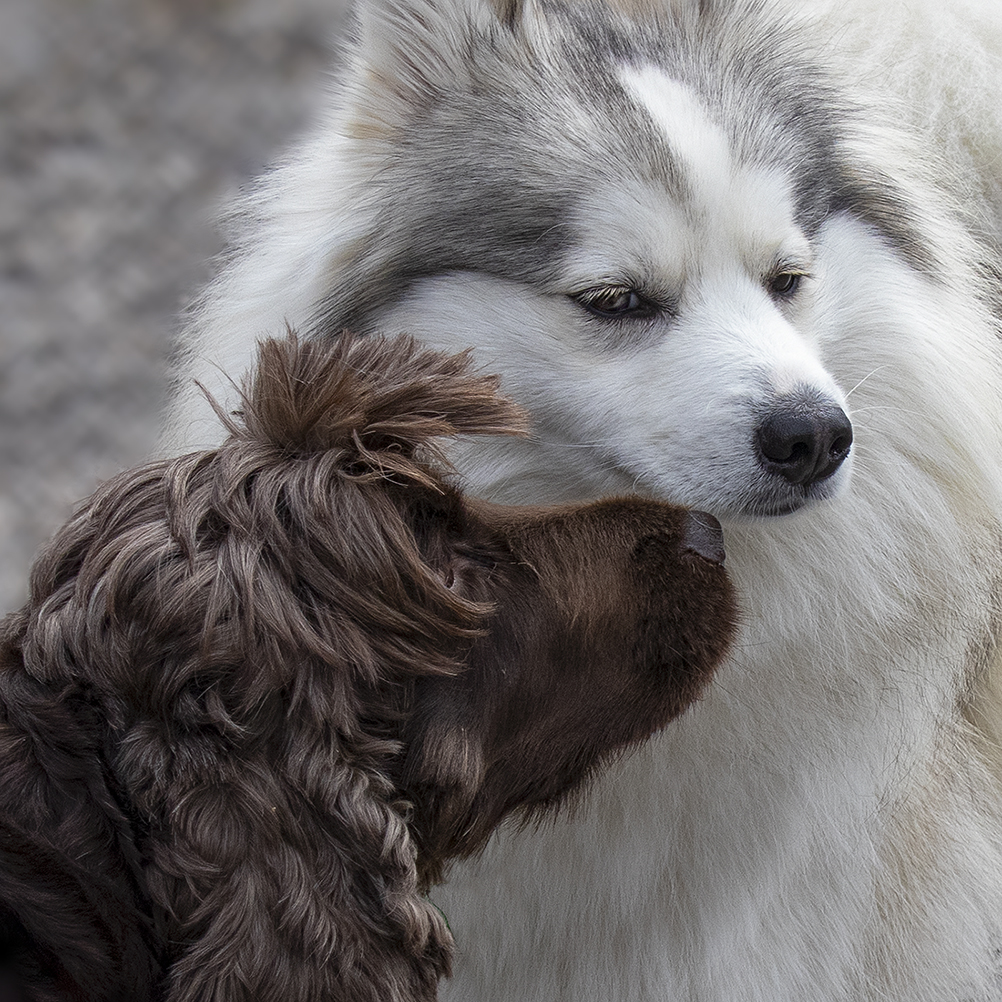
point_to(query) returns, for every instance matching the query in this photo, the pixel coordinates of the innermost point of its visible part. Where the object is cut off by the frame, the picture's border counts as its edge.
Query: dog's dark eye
(785, 284)
(617, 302)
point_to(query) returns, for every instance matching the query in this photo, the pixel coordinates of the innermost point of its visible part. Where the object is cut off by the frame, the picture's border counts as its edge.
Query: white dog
(716, 271)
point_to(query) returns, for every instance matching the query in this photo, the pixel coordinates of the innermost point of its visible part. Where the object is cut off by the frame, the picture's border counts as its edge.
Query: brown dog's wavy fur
(204, 704)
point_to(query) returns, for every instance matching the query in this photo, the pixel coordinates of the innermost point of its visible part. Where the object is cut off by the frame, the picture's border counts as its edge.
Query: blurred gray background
(124, 127)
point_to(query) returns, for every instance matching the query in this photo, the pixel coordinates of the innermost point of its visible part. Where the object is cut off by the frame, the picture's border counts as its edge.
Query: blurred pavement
(124, 127)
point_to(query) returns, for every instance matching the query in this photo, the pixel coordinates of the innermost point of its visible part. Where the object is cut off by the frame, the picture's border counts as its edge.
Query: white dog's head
(647, 290)
(625, 216)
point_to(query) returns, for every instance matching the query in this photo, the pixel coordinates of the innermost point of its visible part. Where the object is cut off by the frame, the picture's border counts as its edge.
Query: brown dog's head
(314, 671)
(607, 620)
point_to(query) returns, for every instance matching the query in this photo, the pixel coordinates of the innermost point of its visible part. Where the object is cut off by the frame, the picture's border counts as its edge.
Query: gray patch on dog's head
(487, 167)
(776, 105)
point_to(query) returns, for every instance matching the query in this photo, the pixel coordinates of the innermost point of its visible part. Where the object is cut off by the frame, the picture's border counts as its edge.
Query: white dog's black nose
(804, 441)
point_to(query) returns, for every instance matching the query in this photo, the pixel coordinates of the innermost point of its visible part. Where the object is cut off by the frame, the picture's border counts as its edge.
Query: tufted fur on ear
(381, 398)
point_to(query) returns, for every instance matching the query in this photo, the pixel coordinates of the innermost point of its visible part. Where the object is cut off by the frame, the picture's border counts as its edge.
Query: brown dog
(261, 695)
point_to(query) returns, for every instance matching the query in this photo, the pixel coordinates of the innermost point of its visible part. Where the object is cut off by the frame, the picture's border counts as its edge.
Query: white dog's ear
(408, 52)
(509, 12)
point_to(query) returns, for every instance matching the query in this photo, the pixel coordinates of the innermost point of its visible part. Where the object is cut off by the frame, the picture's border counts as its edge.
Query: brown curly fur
(260, 695)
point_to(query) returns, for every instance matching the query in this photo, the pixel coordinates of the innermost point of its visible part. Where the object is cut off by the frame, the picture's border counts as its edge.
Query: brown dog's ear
(379, 399)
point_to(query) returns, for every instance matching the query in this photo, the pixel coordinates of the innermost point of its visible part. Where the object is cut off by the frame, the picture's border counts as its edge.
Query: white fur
(938, 66)
(825, 826)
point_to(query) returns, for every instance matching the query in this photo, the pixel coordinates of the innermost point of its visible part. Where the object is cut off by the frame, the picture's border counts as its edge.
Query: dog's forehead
(699, 146)
(709, 205)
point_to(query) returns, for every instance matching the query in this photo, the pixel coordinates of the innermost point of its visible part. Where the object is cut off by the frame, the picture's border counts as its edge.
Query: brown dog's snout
(703, 536)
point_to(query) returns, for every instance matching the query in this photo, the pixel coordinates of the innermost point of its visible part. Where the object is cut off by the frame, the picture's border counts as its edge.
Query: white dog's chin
(786, 499)
(744, 495)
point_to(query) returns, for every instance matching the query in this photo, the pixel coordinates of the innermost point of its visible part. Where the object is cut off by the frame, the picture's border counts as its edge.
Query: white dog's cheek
(514, 331)
(679, 428)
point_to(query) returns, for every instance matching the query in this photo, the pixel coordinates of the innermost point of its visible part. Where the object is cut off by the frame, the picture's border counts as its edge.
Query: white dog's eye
(785, 284)
(617, 302)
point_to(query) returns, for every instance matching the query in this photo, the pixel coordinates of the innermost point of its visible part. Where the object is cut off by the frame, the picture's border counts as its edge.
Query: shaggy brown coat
(260, 695)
